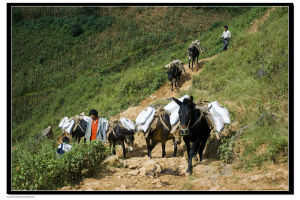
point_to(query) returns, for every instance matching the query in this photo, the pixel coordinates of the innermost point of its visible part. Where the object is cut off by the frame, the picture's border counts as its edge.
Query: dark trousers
(225, 43)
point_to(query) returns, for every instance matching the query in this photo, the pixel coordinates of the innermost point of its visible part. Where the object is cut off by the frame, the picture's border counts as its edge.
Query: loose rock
(256, 177)
(113, 161)
(149, 165)
(132, 164)
(134, 172)
(48, 132)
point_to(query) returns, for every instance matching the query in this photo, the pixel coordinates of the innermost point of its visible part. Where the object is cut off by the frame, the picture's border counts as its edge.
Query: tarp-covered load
(66, 124)
(177, 63)
(69, 124)
(127, 123)
(145, 118)
(196, 43)
(218, 115)
(173, 109)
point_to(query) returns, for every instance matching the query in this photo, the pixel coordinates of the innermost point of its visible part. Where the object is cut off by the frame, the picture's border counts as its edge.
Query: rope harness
(111, 129)
(81, 129)
(184, 131)
(162, 121)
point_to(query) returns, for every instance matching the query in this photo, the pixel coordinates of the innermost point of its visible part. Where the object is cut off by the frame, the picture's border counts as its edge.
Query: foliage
(118, 60)
(76, 30)
(35, 166)
(254, 99)
(226, 149)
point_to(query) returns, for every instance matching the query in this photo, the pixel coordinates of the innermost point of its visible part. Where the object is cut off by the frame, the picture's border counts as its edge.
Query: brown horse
(160, 131)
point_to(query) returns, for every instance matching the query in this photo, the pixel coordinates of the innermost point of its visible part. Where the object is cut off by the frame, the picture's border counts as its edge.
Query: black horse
(194, 128)
(120, 135)
(174, 74)
(80, 131)
(193, 53)
(161, 133)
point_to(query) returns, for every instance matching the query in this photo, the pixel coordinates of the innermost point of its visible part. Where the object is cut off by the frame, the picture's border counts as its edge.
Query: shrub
(35, 166)
(76, 30)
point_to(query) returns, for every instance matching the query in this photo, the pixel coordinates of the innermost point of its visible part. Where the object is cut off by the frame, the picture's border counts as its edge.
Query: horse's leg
(187, 144)
(114, 148)
(197, 58)
(193, 63)
(175, 148)
(191, 155)
(163, 147)
(148, 147)
(124, 150)
(172, 85)
(202, 146)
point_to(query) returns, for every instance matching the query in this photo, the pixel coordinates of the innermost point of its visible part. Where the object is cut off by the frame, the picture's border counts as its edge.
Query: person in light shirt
(94, 128)
(226, 35)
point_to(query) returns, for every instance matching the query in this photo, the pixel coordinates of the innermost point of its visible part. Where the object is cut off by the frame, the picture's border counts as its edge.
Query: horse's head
(190, 53)
(185, 114)
(129, 140)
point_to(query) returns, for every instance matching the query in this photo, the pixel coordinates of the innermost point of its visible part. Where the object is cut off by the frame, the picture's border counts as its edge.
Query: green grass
(232, 79)
(56, 75)
(118, 60)
(35, 167)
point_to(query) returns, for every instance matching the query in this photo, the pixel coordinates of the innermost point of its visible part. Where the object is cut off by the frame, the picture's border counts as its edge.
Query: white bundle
(173, 105)
(143, 116)
(223, 112)
(86, 118)
(218, 121)
(62, 121)
(219, 114)
(174, 117)
(70, 127)
(66, 124)
(173, 109)
(127, 123)
(104, 121)
(148, 122)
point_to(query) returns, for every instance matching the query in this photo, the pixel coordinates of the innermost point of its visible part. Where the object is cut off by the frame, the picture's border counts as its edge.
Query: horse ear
(191, 99)
(177, 101)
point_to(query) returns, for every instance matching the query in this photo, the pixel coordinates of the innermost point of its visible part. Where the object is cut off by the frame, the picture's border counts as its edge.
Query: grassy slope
(111, 68)
(56, 75)
(258, 102)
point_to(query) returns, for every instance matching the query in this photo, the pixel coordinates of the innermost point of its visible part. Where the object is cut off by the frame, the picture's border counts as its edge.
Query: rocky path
(138, 172)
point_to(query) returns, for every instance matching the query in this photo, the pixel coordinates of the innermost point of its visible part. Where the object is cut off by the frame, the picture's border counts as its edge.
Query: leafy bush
(76, 30)
(35, 166)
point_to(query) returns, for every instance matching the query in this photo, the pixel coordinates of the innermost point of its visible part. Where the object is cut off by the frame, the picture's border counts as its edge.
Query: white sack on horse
(173, 106)
(127, 123)
(223, 112)
(149, 121)
(143, 116)
(63, 121)
(219, 114)
(71, 125)
(174, 117)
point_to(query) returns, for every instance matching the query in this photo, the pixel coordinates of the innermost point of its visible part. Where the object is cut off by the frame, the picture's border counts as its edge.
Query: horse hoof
(188, 172)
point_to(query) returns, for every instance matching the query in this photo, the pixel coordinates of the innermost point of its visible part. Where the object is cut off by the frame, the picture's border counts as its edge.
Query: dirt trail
(164, 91)
(256, 23)
(138, 172)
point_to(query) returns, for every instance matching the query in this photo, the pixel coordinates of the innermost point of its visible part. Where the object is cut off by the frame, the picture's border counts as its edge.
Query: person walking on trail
(226, 35)
(93, 129)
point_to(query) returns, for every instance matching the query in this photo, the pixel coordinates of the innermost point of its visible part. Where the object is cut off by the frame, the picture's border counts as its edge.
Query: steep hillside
(257, 158)
(119, 55)
(118, 60)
